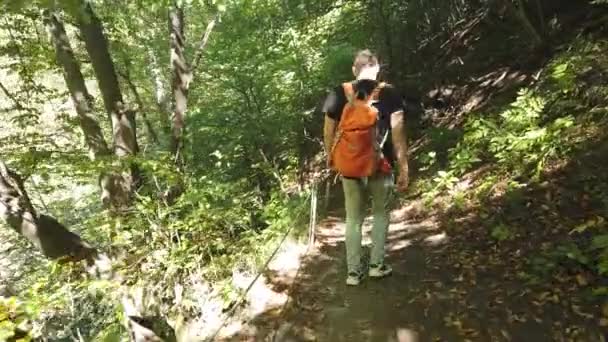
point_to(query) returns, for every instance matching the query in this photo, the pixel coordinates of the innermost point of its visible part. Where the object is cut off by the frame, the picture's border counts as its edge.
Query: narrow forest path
(445, 287)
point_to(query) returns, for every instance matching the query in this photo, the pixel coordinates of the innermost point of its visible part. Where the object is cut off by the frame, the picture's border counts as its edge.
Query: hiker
(364, 138)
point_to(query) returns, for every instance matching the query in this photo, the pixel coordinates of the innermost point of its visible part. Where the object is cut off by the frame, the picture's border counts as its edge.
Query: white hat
(369, 72)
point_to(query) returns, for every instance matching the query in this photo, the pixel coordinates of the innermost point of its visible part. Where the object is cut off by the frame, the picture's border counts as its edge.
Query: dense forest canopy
(153, 151)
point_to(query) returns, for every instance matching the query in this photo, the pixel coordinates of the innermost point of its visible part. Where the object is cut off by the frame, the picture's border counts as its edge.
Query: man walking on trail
(364, 138)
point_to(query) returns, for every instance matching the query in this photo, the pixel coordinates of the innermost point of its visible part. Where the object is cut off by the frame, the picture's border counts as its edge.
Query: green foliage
(501, 232)
(251, 125)
(112, 333)
(445, 180)
(599, 245)
(15, 320)
(562, 75)
(521, 145)
(427, 160)
(463, 159)
(519, 140)
(249, 102)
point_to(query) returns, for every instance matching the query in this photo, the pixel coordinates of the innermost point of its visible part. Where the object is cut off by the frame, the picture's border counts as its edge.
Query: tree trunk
(55, 241)
(141, 108)
(75, 82)
(44, 232)
(181, 80)
(522, 15)
(182, 75)
(162, 99)
(541, 18)
(123, 120)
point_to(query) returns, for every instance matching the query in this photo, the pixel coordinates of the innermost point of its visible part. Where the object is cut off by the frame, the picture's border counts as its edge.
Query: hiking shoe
(380, 271)
(354, 278)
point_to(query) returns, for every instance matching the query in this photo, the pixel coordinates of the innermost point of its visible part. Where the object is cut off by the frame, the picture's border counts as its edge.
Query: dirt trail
(445, 287)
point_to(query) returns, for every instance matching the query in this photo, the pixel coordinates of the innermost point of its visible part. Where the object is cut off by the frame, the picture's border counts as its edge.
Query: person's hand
(403, 181)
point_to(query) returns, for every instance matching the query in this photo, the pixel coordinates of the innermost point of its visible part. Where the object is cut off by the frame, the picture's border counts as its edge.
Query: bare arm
(329, 133)
(400, 145)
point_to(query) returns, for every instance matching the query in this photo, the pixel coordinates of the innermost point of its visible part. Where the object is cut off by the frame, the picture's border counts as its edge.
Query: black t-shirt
(389, 102)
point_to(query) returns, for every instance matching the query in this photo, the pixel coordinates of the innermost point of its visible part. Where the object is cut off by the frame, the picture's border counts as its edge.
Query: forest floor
(452, 281)
(443, 289)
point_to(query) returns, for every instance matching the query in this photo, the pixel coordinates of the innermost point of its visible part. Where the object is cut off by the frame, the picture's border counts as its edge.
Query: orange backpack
(356, 151)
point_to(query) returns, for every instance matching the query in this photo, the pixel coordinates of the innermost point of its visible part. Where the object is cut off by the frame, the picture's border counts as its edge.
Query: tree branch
(18, 104)
(126, 76)
(204, 40)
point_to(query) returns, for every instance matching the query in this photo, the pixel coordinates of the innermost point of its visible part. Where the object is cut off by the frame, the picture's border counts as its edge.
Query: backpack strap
(376, 92)
(349, 91)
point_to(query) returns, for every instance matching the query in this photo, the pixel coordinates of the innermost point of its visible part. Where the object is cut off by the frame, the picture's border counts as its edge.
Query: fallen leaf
(519, 319)
(577, 310)
(470, 332)
(505, 334)
(582, 280)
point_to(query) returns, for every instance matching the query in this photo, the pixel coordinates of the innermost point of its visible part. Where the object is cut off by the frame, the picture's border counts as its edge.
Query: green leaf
(501, 232)
(603, 267)
(112, 333)
(600, 291)
(600, 242)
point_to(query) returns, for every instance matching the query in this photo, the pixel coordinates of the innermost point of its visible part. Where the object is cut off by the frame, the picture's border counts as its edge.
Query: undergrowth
(183, 254)
(537, 141)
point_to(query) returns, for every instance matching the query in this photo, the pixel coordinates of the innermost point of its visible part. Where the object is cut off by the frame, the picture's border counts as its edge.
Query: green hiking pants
(379, 187)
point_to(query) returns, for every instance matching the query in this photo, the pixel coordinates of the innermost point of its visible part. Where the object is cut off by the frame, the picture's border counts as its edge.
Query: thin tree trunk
(162, 100)
(123, 120)
(75, 82)
(116, 188)
(55, 241)
(13, 98)
(521, 14)
(181, 80)
(182, 74)
(204, 41)
(541, 18)
(126, 75)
